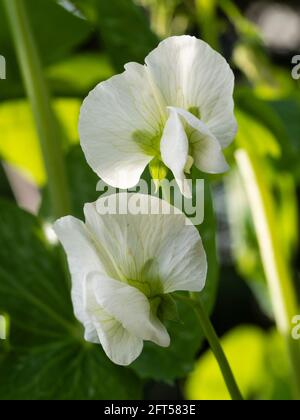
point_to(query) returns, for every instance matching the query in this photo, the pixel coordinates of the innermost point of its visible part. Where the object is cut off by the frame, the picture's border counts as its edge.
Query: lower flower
(124, 268)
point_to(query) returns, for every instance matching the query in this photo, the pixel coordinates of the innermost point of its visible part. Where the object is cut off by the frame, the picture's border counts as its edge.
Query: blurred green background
(83, 42)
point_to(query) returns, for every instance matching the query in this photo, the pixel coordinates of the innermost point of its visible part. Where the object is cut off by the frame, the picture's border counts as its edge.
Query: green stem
(216, 348)
(215, 345)
(36, 87)
(273, 257)
(208, 328)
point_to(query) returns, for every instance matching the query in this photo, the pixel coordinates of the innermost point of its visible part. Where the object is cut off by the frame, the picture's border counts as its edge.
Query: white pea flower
(175, 111)
(123, 269)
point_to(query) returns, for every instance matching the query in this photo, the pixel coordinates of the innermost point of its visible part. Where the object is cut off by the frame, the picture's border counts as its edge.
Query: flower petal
(83, 259)
(207, 152)
(174, 149)
(191, 75)
(119, 344)
(167, 237)
(130, 307)
(182, 260)
(120, 123)
(126, 242)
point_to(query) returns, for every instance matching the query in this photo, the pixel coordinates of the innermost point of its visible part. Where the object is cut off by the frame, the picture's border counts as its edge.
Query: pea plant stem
(48, 129)
(209, 331)
(276, 268)
(215, 345)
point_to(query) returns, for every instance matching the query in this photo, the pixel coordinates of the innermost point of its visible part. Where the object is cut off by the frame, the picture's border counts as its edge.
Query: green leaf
(287, 112)
(82, 180)
(5, 190)
(259, 362)
(45, 356)
(247, 29)
(280, 117)
(176, 361)
(18, 135)
(250, 135)
(64, 371)
(124, 29)
(66, 77)
(45, 15)
(53, 45)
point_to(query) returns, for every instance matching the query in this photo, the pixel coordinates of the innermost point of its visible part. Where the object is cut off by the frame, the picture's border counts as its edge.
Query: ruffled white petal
(205, 149)
(182, 260)
(136, 240)
(119, 344)
(129, 240)
(174, 149)
(113, 119)
(130, 307)
(190, 74)
(82, 259)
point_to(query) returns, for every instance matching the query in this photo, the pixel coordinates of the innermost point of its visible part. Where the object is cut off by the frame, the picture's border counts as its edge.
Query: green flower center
(195, 111)
(162, 306)
(149, 143)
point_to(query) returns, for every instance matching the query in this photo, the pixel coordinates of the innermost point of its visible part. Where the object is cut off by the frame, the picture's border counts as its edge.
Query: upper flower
(175, 111)
(123, 268)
